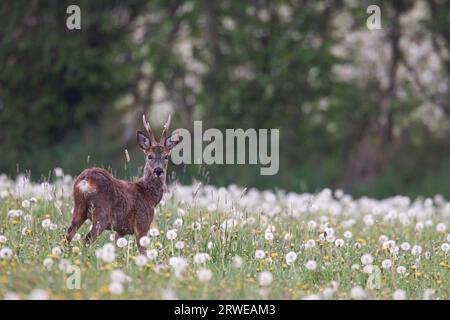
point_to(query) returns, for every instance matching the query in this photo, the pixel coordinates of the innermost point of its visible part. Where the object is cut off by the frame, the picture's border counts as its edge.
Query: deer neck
(154, 187)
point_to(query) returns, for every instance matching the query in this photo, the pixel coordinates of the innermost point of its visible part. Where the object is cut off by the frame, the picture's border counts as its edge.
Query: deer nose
(158, 172)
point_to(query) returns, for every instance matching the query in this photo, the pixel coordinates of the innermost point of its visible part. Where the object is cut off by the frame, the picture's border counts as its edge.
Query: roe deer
(123, 206)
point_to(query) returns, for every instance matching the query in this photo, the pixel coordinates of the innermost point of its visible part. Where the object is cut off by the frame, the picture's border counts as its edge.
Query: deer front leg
(141, 228)
(78, 218)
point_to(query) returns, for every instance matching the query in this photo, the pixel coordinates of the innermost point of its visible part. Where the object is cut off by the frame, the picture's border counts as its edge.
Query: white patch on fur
(85, 186)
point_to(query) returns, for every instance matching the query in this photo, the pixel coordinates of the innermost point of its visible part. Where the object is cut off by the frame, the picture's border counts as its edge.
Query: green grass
(32, 244)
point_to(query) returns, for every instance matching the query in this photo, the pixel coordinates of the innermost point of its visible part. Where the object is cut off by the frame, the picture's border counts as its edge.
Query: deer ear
(143, 141)
(172, 141)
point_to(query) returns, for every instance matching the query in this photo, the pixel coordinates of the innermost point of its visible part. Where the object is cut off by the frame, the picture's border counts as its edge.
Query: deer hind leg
(99, 224)
(78, 218)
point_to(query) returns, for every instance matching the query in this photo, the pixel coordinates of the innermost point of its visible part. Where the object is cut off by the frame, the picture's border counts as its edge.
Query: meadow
(228, 243)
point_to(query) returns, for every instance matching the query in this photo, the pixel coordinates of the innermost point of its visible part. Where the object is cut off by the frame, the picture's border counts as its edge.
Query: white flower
(115, 288)
(427, 294)
(310, 244)
(355, 267)
(141, 260)
(144, 241)
(265, 278)
(48, 263)
(59, 172)
(201, 258)
(171, 234)
(204, 275)
(210, 245)
(312, 225)
(259, 254)
(229, 224)
(441, 227)
(6, 253)
(38, 294)
(357, 245)
(386, 264)
(11, 296)
(196, 225)
(291, 257)
(178, 264)
(53, 226)
(153, 232)
(405, 246)
(311, 265)
(399, 295)
(25, 203)
(401, 270)
(348, 235)
(419, 226)
(339, 243)
(358, 293)
(287, 236)
(330, 238)
(383, 238)
(46, 223)
(368, 269)
(268, 236)
(118, 276)
(178, 222)
(416, 250)
(76, 237)
(179, 245)
(121, 242)
(3, 239)
(56, 251)
(445, 247)
(366, 259)
(237, 262)
(152, 254)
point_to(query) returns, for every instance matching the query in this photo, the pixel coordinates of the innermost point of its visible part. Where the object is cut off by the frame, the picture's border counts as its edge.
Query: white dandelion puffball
(201, 258)
(355, 267)
(152, 254)
(386, 264)
(118, 276)
(339, 243)
(25, 203)
(204, 275)
(121, 242)
(76, 237)
(348, 235)
(179, 264)
(399, 295)
(11, 296)
(48, 263)
(311, 265)
(144, 241)
(416, 250)
(357, 245)
(445, 247)
(171, 234)
(368, 269)
(38, 294)
(259, 254)
(179, 245)
(291, 257)
(56, 251)
(6, 253)
(401, 270)
(141, 260)
(210, 245)
(46, 223)
(178, 222)
(3, 239)
(237, 262)
(441, 227)
(405, 246)
(153, 232)
(115, 288)
(358, 293)
(366, 259)
(268, 236)
(310, 244)
(53, 226)
(265, 278)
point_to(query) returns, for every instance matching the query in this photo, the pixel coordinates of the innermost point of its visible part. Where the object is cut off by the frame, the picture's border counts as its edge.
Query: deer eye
(150, 157)
(166, 157)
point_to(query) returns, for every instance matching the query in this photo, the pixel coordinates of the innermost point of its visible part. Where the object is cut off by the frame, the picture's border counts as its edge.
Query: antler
(149, 130)
(165, 131)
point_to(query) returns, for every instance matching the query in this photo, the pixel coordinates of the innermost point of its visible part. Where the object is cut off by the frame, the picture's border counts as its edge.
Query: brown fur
(123, 206)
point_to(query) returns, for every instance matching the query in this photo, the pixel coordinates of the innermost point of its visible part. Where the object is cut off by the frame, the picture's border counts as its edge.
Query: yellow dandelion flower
(443, 264)
(413, 267)
(15, 221)
(327, 258)
(158, 245)
(53, 256)
(361, 241)
(75, 249)
(104, 290)
(274, 254)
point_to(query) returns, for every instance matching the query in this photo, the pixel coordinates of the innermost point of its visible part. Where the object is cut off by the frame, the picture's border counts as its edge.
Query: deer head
(156, 154)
